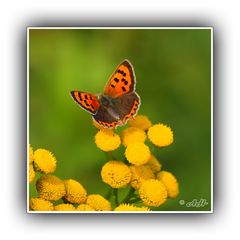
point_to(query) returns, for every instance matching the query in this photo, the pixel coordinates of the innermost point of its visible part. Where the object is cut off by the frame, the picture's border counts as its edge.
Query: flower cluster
(55, 194)
(139, 173)
(140, 170)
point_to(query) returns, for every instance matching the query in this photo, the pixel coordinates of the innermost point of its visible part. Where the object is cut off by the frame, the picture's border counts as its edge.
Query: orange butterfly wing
(122, 81)
(87, 101)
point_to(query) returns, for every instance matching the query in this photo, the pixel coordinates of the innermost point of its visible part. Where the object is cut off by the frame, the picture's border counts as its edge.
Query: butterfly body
(118, 103)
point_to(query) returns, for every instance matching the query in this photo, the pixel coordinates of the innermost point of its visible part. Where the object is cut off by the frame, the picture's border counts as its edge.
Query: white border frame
(112, 212)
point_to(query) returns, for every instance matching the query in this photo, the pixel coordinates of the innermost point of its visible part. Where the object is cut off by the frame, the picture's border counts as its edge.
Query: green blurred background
(173, 71)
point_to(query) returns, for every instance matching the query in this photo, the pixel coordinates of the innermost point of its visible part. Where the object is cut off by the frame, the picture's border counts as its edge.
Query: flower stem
(129, 195)
(109, 193)
(115, 193)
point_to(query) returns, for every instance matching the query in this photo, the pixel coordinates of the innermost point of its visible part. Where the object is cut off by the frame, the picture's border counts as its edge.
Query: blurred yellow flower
(133, 134)
(84, 207)
(170, 182)
(64, 207)
(154, 164)
(153, 193)
(75, 192)
(39, 204)
(44, 161)
(107, 140)
(50, 187)
(116, 174)
(130, 207)
(98, 202)
(137, 153)
(31, 173)
(140, 174)
(31, 155)
(141, 122)
(160, 135)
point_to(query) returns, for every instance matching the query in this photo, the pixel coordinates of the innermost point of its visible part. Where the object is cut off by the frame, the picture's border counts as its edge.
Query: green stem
(109, 193)
(115, 193)
(129, 195)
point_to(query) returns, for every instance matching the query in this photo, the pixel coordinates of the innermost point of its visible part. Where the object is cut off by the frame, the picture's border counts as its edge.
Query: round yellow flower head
(141, 122)
(140, 174)
(31, 173)
(154, 164)
(170, 182)
(84, 207)
(130, 207)
(50, 187)
(31, 155)
(44, 161)
(116, 174)
(75, 192)
(133, 134)
(160, 135)
(137, 153)
(39, 204)
(64, 207)
(153, 193)
(107, 140)
(98, 202)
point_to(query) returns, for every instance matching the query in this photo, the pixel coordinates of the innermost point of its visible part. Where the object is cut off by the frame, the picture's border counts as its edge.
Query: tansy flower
(137, 153)
(160, 135)
(98, 202)
(44, 161)
(39, 204)
(153, 193)
(154, 164)
(64, 207)
(84, 207)
(31, 155)
(141, 122)
(133, 134)
(107, 140)
(116, 174)
(170, 182)
(139, 175)
(31, 173)
(130, 207)
(75, 192)
(50, 187)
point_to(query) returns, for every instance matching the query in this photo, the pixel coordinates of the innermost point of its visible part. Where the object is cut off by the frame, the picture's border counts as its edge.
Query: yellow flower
(137, 153)
(154, 164)
(64, 207)
(39, 204)
(116, 174)
(141, 122)
(75, 192)
(50, 187)
(31, 155)
(44, 161)
(160, 135)
(107, 140)
(130, 207)
(133, 134)
(98, 202)
(153, 193)
(139, 175)
(170, 182)
(85, 207)
(31, 173)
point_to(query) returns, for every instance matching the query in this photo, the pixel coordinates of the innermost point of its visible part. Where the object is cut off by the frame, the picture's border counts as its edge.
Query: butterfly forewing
(87, 101)
(122, 81)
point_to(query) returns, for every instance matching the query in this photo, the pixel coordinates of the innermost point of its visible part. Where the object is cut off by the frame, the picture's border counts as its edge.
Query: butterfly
(117, 103)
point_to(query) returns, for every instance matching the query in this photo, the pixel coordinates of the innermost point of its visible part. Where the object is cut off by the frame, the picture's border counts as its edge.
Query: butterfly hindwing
(87, 101)
(122, 81)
